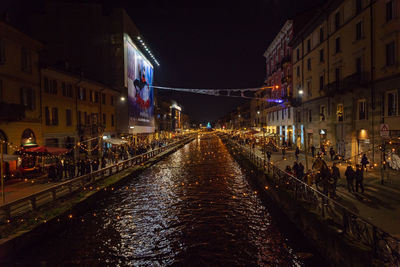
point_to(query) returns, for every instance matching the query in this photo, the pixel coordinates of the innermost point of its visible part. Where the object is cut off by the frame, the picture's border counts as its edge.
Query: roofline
(286, 27)
(76, 76)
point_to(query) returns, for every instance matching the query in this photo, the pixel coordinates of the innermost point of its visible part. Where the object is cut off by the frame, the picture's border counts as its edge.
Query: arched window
(3, 137)
(28, 138)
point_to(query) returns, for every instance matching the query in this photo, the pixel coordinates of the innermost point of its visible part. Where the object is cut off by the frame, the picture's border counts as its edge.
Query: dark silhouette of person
(350, 175)
(359, 178)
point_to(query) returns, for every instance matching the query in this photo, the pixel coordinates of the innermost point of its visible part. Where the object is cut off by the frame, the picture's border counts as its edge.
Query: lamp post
(304, 130)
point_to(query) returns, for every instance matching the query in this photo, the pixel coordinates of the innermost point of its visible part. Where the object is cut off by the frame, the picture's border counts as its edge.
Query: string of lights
(229, 92)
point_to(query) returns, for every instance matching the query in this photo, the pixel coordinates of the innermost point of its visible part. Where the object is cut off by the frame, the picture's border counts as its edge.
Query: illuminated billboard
(139, 80)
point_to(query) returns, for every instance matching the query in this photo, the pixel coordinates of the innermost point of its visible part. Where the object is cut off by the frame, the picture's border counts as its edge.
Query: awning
(7, 157)
(115, 141)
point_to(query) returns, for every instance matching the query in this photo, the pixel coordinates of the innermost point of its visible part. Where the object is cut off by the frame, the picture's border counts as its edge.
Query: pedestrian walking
(350, 175)
(335, 177)
(103, 162)
(296, 153)
(322, 150)
(87, 166)
(269, 156)
(324, 179)
(71, 169)
(301, 171)
(332, 153)
(313, 151)
(288, 169)
(359, 178)
(65, 167)
(283, 152)
(295, 169)
(364, 162)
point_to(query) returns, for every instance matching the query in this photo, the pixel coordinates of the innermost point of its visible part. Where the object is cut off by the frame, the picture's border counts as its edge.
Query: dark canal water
(194, 208)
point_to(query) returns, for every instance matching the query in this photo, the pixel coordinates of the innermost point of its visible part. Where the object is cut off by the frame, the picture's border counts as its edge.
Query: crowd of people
(68, 167)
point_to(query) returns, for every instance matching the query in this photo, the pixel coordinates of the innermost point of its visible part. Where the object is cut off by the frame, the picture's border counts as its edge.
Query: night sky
(205, 45)
(201, 46)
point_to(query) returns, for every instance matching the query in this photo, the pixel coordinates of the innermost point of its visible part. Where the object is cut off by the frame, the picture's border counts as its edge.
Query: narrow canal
(194, 208)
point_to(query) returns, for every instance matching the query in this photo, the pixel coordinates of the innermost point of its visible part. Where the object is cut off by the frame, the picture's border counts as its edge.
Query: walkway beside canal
(380, 204)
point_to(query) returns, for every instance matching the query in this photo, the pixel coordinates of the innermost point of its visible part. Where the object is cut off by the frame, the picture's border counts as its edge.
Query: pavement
(379, 204)
(18, 188)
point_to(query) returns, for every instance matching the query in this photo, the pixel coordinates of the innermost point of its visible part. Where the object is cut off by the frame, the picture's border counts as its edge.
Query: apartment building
(344, 65)
(75, 109)
(20, 113)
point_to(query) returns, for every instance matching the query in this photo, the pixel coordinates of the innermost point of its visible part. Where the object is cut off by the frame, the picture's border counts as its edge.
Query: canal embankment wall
(323, 234)
(23, 232)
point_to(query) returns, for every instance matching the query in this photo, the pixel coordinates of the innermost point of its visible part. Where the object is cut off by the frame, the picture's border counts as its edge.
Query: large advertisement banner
(139, 80)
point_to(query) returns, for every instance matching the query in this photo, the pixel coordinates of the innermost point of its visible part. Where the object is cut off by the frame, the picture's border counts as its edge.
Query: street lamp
(301, 92)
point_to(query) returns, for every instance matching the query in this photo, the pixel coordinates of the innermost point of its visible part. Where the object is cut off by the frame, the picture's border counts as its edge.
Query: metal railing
(34, 201)
(384, 246)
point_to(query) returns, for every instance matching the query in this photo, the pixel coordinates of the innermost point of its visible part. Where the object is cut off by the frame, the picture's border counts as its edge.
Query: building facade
(20, 112)
(75, 109)
(95, 41)
(345, 64)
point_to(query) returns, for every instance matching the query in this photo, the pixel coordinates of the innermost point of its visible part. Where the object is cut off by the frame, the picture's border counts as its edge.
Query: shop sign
(384, 130)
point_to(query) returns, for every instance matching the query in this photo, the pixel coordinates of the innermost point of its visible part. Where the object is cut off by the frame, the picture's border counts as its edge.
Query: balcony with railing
(348, 84)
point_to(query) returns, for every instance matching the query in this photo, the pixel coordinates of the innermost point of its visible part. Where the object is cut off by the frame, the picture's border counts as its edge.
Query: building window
(66, 89)
(358, 65)
(47, 115)
(392, 103)
(321, 35)
(96, 97)
(68, 117)
(112, 100)
(298, 71)
(298, 116)
(339, 112)
(46, 84)
(359, 31)
(288, 113)
(321, 56)
(390, 55)
(337, 75)
(86, 117)
(82, 93)
(321, 82)
(1, 92)
(283, 114)
(103, 99)
(322, 113)
(277, 115)
(337, 21)
(50, 86)
(79, 117)
(54, 116)
(28, 98)
(297, 54)
(112, 120)
(308, 45)
(26, 60)
(358, 6)
(389, 10)
(362, 107)
(91, 96)
(309, 92)
(337, 45)
(2, 51)
(104, 119)
(309, 64)
(309, 115)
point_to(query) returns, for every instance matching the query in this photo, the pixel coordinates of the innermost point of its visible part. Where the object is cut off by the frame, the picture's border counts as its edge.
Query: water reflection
(195, 208)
